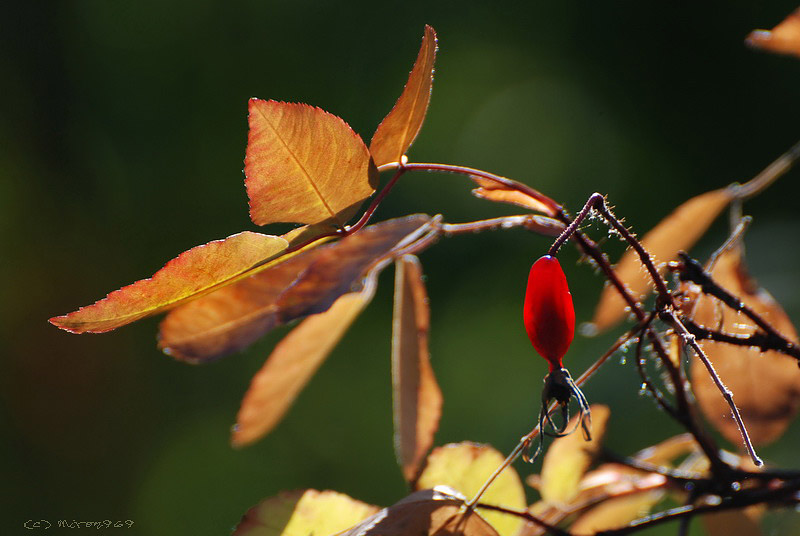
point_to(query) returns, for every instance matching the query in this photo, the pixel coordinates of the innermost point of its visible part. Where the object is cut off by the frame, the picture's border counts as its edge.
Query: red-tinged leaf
(678, 231)
(304, 165)
(782, 39)
(303, 513)
(416, 395)
(193, 273)
(569, 457)
(466, 467)
(399, 129)
(309, 282)
(429, 512)
(765, 386)
(292, 363)
(500, 193)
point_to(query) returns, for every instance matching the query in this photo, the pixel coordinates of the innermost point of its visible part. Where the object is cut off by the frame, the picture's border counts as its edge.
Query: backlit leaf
(292, 363)
(765, 386)
(399, 129)
(667, 451)
(744, 522)
(304, 165)
(465, 467)
(617, 512)
(569, 457)
(417, 398)
(499, 193)
(783, 38)
(193, 273)
(428, 512)
(678, 231)
(309, 282)
(302, 513)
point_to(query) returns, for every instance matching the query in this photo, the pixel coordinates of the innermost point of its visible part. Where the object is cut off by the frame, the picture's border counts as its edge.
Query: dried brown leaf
(765, 386)
(416, 395)
(569, 457)
(499, 193)
(399, 129)
(304, 165)
(292, 363)
(306, 283)
(743, 522)
(782, 39)
(678, 231)
(193, 273)
(303, 512)
(465, 467)
(431, 512)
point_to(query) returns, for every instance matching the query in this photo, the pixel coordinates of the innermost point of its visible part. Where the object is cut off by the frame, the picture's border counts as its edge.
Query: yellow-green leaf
(304, 165)
(303, 513)
(569, 457)
(399, 129)
(465, 467)
(193, 273)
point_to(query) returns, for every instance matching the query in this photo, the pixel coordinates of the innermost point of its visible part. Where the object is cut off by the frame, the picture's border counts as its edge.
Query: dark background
(122, 134)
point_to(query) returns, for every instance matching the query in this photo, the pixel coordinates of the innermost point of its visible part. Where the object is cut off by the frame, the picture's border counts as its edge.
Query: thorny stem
(640, 364)
(670, 317)
(594, 199)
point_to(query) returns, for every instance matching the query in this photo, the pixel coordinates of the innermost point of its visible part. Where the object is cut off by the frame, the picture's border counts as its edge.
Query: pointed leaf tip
(400, 127)
(304, 165)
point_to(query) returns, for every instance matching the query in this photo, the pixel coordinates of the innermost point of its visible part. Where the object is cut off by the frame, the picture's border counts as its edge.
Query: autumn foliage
(710, 332)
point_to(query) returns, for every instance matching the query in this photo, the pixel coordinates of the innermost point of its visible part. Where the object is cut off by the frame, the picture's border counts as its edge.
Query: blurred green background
(122, 135)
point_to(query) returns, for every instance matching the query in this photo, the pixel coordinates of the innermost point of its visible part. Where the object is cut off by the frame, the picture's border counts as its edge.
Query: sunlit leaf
(235, 316)
(292, 363)
(465, 467)
(569, 457)
(783, 38)
(193, 273)
(667, 451)
(302, 513)
(678, 231)
(499, 193)
(417, 398)
(399, 129)
(304, 165)
(628, 492)
(616, 512)
(765, 386)
(428, 512)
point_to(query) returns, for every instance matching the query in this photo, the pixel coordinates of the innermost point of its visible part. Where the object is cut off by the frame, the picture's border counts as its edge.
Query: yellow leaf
(303, 513)
(399, 129)
(193, 273)
(292, 363)
(765, 386)
(416, 395)
(465, 467)
(616, 512)
(678, 231)
(304, 165)
(569, 457)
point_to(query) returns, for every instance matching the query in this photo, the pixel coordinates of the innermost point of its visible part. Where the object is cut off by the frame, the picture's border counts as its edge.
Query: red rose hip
(548, 312)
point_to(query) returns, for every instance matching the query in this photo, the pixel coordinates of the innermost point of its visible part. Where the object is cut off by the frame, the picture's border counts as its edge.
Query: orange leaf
(429, 512)
(399, 129)
(615, 512)
(765, 386)
(744, 522)
(292, 363)
(304, 165)
(303, 512)
(569, 457)
(309, 282)
(493, 191)
(782, 39)
(678, 231)
(416, 395)
(193, 273)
